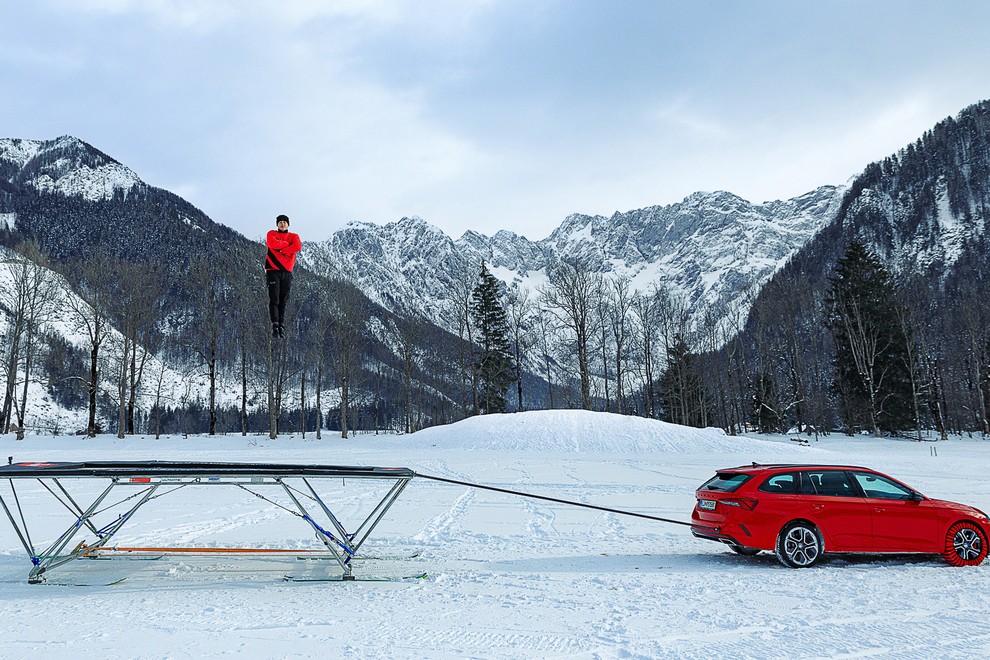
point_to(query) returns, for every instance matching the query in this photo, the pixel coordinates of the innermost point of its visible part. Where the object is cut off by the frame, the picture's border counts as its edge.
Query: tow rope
(552, 499)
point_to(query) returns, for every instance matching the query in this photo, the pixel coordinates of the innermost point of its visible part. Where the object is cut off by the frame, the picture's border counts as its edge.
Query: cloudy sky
(485, 114)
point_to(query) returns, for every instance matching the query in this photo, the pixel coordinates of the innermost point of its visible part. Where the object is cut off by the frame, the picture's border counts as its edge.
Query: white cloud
(482, 114)
(207, 15)
(199, 15)
(679, 114)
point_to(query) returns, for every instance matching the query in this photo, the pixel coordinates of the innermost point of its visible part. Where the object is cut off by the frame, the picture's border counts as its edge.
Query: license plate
(708, 505)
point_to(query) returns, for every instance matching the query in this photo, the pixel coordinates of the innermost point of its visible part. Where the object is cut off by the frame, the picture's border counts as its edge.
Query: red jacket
(282, 249)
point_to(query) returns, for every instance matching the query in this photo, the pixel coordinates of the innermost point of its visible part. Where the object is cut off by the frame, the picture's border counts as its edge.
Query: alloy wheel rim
(967, 544)
(801, 546)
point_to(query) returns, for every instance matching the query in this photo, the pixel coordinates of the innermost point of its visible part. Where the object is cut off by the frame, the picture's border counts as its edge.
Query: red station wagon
(800, 512)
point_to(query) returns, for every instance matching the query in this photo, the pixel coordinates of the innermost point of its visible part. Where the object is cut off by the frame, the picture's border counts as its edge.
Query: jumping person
(282, 248)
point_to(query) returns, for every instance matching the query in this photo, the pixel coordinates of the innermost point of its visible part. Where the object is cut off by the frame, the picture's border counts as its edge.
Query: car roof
(758, 467)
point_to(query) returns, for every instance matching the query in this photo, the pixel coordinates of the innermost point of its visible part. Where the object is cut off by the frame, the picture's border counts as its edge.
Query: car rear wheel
(799, 545)
(743, 550)
(965, 545)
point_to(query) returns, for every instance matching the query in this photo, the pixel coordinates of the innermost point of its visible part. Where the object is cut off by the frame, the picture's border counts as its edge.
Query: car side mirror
(917, 497)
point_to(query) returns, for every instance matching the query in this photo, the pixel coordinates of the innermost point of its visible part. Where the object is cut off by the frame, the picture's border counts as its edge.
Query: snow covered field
(507, 577)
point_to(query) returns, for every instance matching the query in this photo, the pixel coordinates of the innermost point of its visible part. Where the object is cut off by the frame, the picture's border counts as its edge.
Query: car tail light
(747, 503)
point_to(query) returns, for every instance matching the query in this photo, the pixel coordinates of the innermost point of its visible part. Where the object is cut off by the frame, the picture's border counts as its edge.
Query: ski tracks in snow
(438, 530)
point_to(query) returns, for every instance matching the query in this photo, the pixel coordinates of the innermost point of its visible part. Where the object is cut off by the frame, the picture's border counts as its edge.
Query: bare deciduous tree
(544, 324)
(520, 312)
(29, 299)
(210, 299)
(90, 309)
(572, 295)
(463, 288)
(621, 296)
(133, 307)
(349, 312)
(646, 328)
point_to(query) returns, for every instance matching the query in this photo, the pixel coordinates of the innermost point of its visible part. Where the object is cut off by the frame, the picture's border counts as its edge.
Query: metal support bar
(78, 510)
(50, 558)
(110, 530)
(365, 529)
(20, 511)
(333, 519)
(324, 536)
(17, 529)
(104, 536)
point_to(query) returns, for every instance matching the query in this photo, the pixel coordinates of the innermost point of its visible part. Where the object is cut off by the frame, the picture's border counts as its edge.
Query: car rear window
(726, 482)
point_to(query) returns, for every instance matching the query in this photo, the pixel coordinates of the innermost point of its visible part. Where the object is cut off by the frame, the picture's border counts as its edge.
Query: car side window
(807, 483)
(833, 483)
(781, 484)
(882, 488)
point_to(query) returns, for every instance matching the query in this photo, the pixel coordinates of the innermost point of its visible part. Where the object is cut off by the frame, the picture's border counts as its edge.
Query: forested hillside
(922, 338)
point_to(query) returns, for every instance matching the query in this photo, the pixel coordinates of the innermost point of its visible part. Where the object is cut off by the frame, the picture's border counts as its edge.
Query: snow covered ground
(507, 577)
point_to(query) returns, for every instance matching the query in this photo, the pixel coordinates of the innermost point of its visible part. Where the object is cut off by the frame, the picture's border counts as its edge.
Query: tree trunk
(608, 401)
(344, 403)
(158, 404)
(28, 360)
(122, 388)
(302, 404)
(519, 379)
(213, 392)
(272, 412)
(244, 384)
(134, 380)
(94, 355)
(12, 360)
(319, 404)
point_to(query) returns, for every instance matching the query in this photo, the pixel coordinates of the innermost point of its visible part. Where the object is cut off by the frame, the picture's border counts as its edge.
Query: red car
(801, 512)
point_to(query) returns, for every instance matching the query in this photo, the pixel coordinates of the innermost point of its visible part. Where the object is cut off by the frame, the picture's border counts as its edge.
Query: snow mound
(585, 431)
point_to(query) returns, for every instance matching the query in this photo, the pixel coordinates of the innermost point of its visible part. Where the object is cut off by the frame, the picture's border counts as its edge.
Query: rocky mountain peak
(17, 152)
(712, 248)
(65, 165)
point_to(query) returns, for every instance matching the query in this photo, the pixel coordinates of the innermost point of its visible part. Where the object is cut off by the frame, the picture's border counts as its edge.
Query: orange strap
(105, 551)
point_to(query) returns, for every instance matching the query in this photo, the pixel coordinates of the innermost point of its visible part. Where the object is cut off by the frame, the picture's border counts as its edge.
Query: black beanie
(281, 218)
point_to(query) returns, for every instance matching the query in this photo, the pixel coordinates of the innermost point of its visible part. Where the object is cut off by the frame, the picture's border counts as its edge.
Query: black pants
(279, 283)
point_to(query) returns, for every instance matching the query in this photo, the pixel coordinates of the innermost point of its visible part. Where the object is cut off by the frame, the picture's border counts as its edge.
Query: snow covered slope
(583, 431)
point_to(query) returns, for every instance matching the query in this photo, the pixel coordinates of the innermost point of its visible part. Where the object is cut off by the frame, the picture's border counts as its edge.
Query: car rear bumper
(714, 534)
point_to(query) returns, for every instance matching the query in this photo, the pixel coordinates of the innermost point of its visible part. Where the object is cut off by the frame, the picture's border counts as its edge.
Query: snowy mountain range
(710, 248)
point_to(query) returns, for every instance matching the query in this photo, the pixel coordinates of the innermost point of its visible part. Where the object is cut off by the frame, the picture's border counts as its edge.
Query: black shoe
(281, 331)
(275, 331)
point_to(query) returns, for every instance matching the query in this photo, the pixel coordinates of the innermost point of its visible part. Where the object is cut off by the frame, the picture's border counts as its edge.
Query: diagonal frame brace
(21, 534)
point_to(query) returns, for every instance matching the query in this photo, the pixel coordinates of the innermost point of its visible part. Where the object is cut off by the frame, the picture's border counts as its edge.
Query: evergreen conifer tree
(872, 378)
(495, 366)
